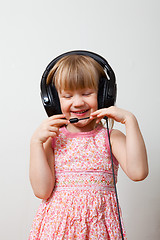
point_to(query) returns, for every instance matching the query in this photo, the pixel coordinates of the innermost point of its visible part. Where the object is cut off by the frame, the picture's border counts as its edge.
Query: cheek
(62, 104)
(64, 107)
(94, 104)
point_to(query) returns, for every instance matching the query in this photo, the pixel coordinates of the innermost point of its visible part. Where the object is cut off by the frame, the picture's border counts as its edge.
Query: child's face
(79, 104)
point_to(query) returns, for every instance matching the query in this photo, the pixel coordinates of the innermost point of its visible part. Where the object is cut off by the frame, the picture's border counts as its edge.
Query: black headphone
(107, 89)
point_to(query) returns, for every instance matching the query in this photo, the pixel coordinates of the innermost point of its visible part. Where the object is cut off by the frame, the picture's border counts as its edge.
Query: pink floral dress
(83, 204)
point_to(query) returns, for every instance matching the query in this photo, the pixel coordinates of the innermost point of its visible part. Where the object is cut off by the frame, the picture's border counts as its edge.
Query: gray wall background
(127, 34)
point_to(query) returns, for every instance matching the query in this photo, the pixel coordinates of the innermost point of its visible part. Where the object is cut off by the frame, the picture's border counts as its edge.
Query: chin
(86, 124)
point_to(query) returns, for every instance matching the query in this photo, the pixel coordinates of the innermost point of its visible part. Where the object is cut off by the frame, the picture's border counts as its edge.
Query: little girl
(70, 163)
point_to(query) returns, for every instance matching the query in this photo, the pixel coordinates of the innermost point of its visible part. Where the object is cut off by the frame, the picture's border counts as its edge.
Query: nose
(78, 101)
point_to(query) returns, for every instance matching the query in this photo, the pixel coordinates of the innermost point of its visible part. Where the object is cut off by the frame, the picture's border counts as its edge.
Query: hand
(113, 112)
(49, 128)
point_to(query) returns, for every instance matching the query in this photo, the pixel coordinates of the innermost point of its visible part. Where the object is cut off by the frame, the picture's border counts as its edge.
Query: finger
(58, 116)
(99, 113)
(94, 114)
(59, 122)
(53, 129)
(98, 120)
(53, 134)
(109, 112)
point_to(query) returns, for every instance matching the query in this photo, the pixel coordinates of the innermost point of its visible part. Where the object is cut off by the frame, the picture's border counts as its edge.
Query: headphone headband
(102, 61)
(109, 91)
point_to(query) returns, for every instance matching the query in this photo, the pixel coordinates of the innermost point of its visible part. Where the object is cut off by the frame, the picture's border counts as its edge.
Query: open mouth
(80, 112)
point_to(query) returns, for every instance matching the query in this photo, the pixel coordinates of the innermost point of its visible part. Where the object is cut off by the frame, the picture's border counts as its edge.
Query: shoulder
(117, 138)
(115, 133)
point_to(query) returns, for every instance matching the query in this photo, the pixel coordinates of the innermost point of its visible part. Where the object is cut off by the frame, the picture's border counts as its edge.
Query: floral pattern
(83, 203)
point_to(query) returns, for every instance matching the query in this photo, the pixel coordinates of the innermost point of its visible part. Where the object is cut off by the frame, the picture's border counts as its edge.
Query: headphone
(107, 88)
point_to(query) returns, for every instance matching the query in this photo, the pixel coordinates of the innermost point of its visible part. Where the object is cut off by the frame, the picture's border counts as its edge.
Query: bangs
(76, 76)
(75, 72)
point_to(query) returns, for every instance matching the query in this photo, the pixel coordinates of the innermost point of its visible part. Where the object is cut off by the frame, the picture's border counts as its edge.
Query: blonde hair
(76, 72)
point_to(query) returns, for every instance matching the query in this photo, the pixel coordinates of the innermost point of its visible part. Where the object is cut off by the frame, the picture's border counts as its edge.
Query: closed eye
(67, 95)
(87, 93)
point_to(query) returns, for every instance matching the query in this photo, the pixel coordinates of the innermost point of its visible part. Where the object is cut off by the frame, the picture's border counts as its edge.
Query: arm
(129, 150)
(42, 174)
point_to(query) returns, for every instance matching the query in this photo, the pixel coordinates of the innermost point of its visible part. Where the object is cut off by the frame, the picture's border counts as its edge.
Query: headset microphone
(75, 120)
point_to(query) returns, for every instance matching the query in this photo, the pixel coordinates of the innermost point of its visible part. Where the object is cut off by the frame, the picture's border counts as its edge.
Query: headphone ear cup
(55, 103)
(50, 100)
(101, 93)
(113, 93)
(106, 93)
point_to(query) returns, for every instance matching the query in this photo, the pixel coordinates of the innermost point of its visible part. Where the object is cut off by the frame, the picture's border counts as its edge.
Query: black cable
(114, 181)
